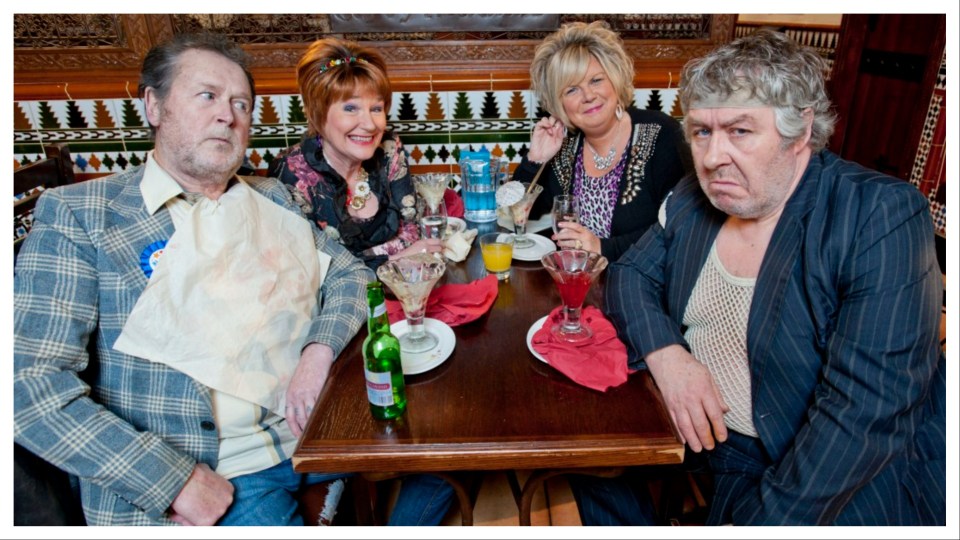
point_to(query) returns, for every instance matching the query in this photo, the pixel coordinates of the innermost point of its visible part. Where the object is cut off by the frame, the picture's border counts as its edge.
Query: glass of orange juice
(497, 251)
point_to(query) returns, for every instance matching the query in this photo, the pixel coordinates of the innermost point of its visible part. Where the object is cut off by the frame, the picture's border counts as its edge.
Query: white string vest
(716, 319)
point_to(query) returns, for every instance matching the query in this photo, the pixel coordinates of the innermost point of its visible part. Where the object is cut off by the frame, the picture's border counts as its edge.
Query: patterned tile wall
(110, 135)
(929, 169)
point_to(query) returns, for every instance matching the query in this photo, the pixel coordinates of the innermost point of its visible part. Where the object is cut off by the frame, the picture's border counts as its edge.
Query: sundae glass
(574, 271)
(430, 187)
(411, 279)
(519, 204)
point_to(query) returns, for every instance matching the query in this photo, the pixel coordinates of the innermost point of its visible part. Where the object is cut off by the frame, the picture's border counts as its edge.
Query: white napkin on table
(456, 247)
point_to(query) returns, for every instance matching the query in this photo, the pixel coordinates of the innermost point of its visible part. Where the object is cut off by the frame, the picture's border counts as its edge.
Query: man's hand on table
(691, 396)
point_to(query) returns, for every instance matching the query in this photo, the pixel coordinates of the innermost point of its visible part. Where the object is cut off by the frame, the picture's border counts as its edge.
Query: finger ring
(579, 244)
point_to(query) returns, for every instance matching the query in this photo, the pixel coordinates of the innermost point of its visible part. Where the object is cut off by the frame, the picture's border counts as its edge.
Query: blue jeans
(269, 497)
(626, 499)
(621, 501)
(423, 500)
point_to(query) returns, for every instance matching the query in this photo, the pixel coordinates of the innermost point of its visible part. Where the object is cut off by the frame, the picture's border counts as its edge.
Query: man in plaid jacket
(145, 438)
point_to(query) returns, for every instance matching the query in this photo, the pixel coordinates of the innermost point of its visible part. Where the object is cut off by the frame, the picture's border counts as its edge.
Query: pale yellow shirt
(251, 437)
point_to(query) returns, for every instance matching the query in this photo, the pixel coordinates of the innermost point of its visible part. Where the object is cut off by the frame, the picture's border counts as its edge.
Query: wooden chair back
(31, 180)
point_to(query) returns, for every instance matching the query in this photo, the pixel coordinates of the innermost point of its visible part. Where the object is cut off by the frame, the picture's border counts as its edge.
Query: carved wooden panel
(98, 56)
(78, 42)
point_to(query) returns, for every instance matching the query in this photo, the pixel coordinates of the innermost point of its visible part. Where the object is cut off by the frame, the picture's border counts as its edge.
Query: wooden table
(492, 405)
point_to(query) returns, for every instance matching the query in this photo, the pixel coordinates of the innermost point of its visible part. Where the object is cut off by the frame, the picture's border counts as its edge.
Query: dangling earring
(619, 111)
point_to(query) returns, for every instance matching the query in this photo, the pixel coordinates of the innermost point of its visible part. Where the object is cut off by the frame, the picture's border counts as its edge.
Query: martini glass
(574, 271)
(520, 211)
(411, 279)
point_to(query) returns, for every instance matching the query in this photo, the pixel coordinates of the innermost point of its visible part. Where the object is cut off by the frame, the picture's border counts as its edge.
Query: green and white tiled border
(109, 135)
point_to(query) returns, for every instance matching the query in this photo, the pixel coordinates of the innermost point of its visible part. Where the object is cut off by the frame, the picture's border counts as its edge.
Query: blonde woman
(618, 162)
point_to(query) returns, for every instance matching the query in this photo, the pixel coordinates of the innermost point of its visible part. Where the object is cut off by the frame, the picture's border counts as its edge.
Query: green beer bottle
(381, 360)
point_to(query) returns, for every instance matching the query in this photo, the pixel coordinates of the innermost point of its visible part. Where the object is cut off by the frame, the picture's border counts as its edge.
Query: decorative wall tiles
(110, 135)
(929, 168)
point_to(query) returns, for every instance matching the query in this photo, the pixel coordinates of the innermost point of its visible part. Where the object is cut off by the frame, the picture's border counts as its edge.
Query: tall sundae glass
(518, 199)
(411, 279)
(430, 187)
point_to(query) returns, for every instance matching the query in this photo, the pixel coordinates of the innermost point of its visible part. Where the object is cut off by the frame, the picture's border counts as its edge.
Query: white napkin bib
(232, 297)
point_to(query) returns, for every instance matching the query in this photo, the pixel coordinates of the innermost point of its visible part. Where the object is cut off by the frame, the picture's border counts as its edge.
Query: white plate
(543, 223)
(416, 363)
(455, 224)
(533, 330)
(541, 246)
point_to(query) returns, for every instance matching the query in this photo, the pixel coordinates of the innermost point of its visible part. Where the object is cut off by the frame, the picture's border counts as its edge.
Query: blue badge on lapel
(150, 255)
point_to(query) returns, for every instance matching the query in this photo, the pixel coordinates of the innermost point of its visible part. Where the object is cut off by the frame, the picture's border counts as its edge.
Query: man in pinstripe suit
(175, 323)
(787, 307)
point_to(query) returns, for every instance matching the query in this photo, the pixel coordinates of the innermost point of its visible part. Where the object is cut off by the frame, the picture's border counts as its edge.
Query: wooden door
(885, 71)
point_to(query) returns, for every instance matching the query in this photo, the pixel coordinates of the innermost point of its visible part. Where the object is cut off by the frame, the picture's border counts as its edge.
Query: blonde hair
(331, 70)
(562, 60)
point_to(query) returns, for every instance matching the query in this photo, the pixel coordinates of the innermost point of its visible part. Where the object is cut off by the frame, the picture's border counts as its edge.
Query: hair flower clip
(334, 62)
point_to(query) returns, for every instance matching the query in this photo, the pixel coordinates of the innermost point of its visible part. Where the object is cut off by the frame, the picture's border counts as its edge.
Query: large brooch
(357, 199)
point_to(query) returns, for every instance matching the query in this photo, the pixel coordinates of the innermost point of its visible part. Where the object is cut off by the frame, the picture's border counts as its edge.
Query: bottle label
(379, 310)
(379, 387)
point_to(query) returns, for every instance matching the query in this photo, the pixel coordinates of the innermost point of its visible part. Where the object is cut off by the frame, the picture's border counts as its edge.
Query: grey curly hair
(772, 69)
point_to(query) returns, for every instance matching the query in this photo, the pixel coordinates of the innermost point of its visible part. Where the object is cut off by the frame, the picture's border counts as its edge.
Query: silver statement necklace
(603, 162)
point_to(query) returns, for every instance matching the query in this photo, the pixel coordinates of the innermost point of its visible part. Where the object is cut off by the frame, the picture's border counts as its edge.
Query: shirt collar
(157, 186)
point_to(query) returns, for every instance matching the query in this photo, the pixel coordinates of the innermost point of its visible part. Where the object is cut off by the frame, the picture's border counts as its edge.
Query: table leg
(364, 501)
(515, 486)
(464, 486)
(466, 496)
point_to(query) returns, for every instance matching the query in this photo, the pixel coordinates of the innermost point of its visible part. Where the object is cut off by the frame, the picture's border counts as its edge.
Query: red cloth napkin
(454, 303)
(599, 362)
(454, 203)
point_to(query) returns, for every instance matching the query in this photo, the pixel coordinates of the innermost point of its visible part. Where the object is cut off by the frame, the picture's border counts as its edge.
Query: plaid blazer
(847, 377)
(130, 429)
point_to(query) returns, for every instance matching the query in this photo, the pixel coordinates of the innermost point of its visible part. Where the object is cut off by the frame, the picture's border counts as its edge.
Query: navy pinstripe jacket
(130, 429)
(847, 375)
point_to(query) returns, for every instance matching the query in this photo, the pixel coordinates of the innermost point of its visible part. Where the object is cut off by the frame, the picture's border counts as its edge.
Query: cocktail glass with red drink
(574, 271)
